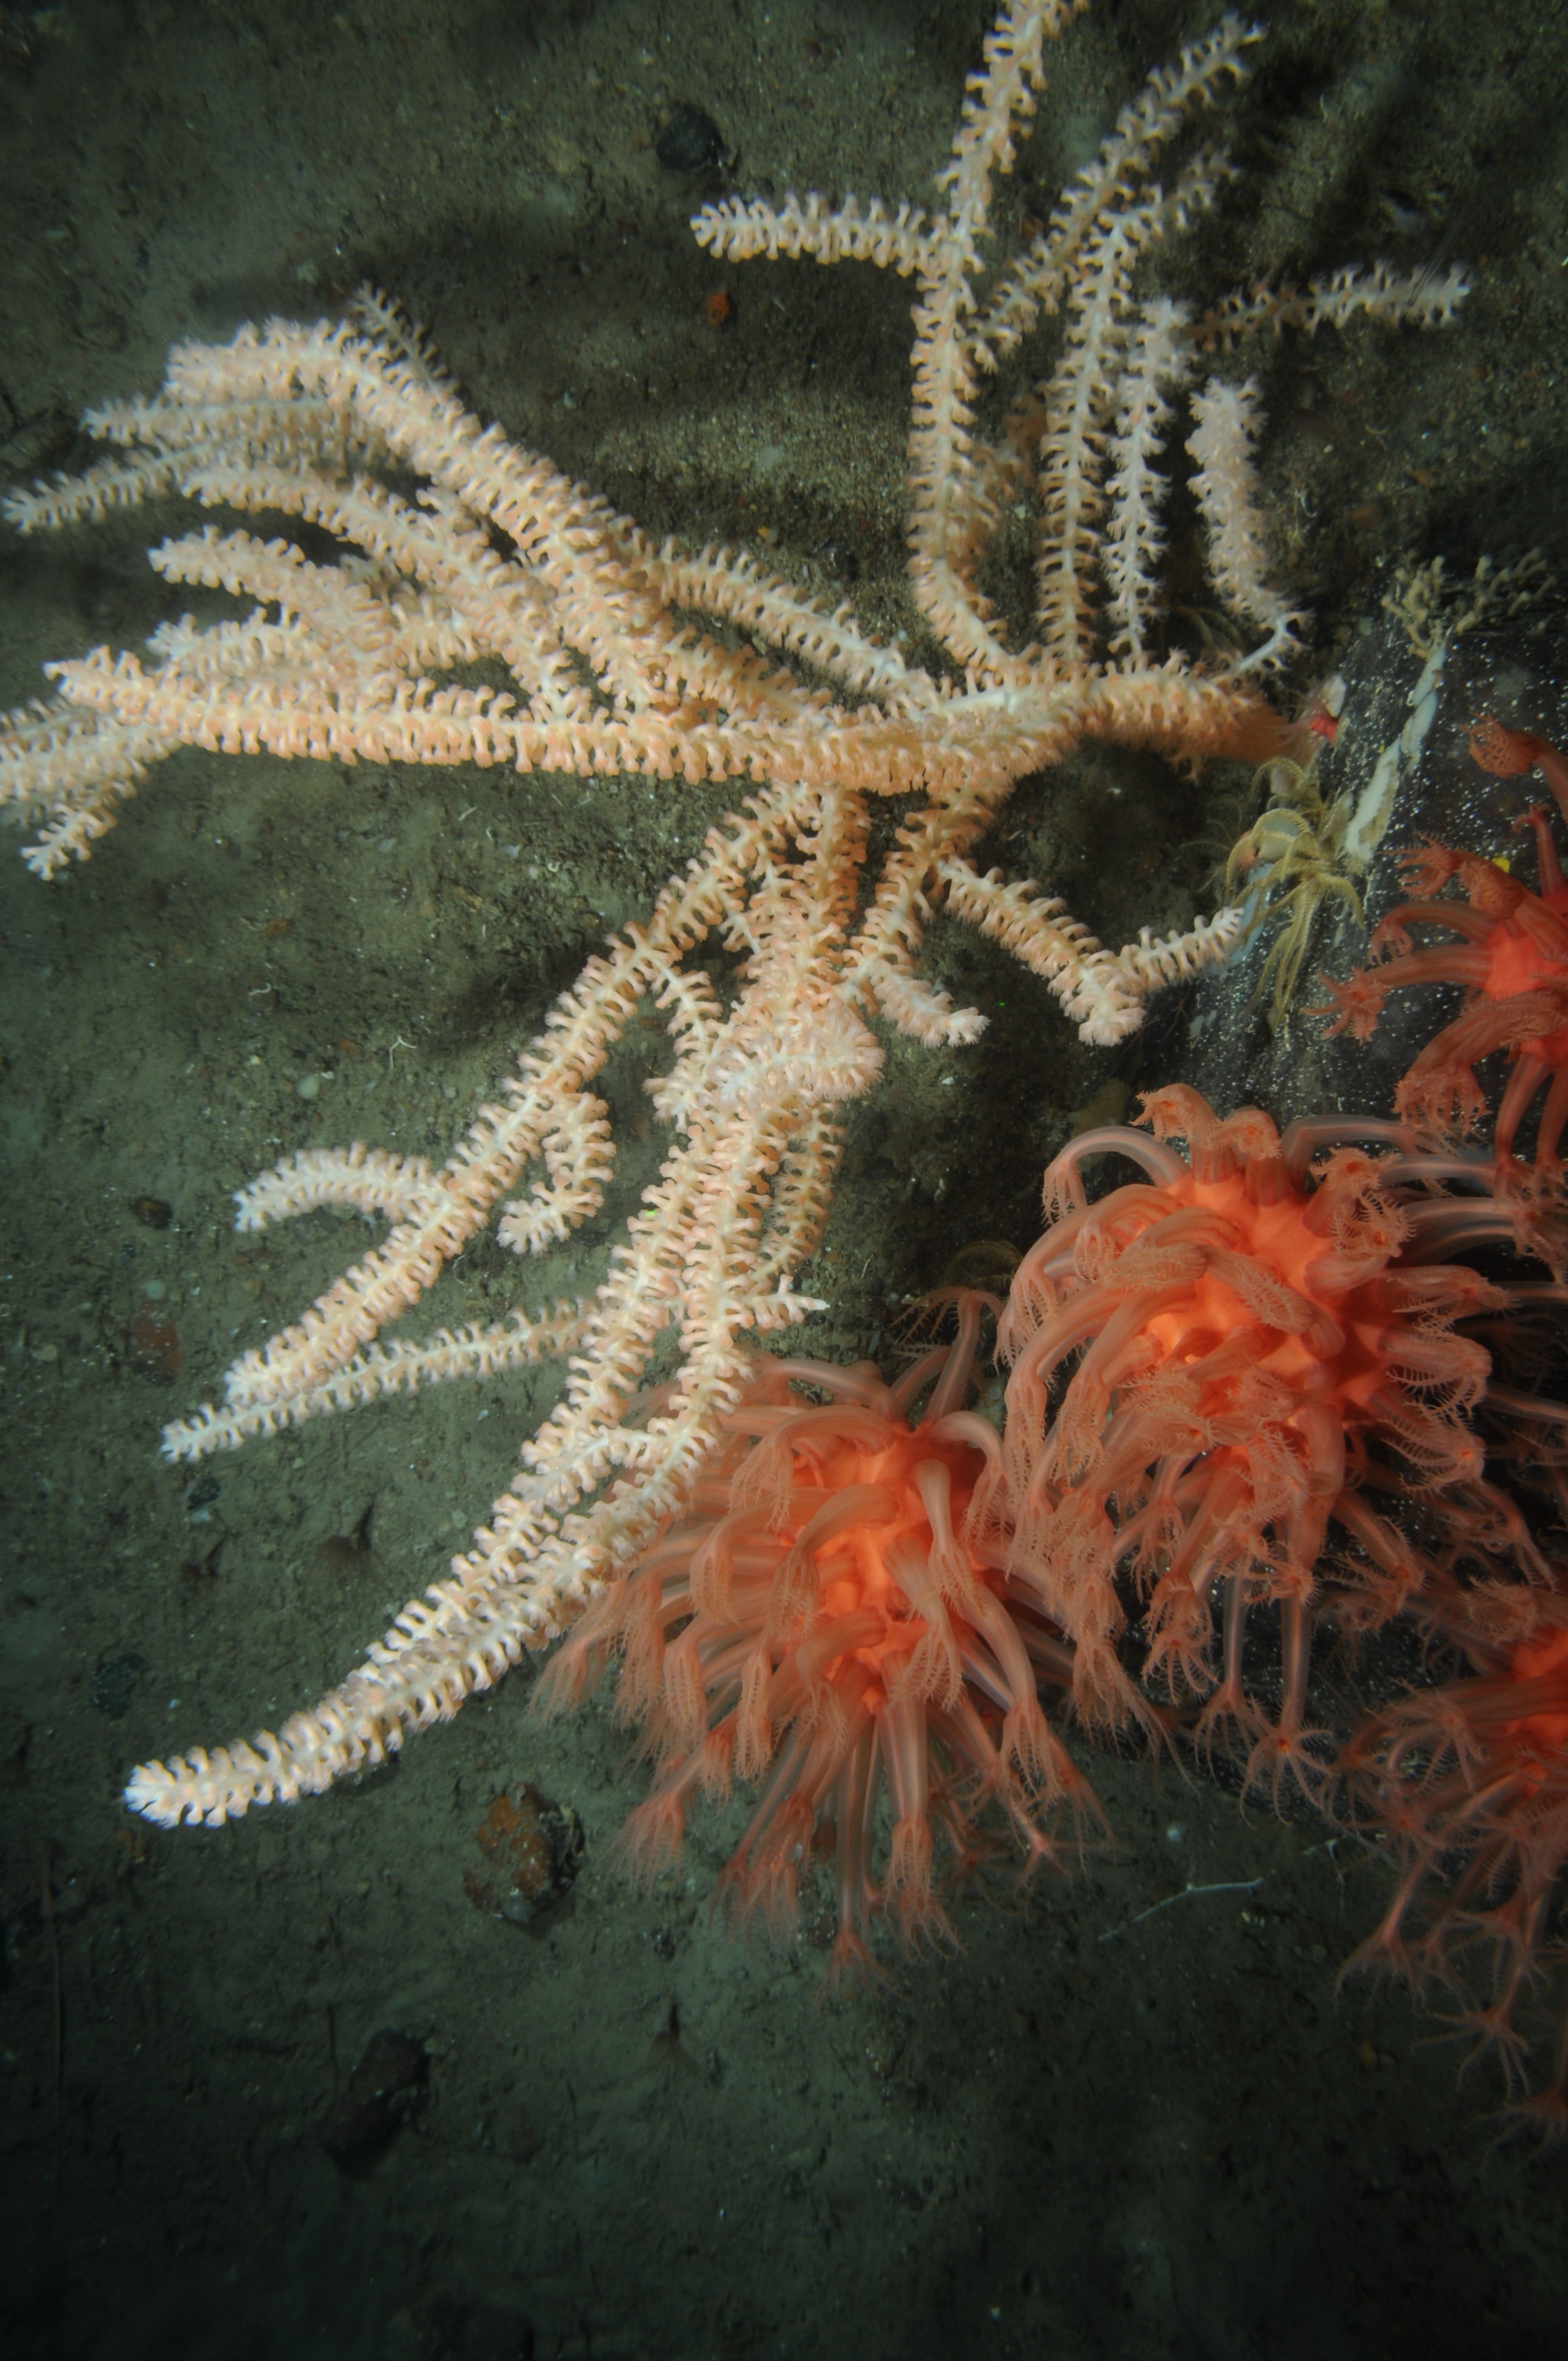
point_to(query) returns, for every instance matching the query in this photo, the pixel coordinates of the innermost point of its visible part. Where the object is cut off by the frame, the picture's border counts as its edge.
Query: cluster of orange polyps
(1248, 1383)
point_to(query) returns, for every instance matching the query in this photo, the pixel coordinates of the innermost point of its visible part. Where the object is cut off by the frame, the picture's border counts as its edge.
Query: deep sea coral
(1511, 957)
(834, 1619)
(1467, 1782)
(1241, 1382)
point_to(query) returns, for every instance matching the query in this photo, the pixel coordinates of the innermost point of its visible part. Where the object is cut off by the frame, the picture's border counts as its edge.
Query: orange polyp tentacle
(1124, 1342)
(713, 1565)
(844, 1511)
(1322, 1432)
(1555, 771)
(855, 1799)
(1051, 1343)
(684, 1692)
(952, 1386)
(1190, 1563)
(1537, 936)
(1554, 1116)
(1467, 964)
(1549, 868)
(1528, 1075)
(905, 1745)
(1508, 753)
(1064, 1175)
(1268, 1180)
(1234, 1630)
(840, 1637)
(1296, 1618)
(1464, 917)
(753, 1730)
(651, 1840)
(934, 1484)
(1230, 1701)
(1176, 1110)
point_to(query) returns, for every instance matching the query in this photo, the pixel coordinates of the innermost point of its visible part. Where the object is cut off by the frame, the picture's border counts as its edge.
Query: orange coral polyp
(834, 1619)
(1470, 1781)
(1322, 1361)
(1538, 1667)
(1526, 950)
(1210, 1369)
(1511, 959)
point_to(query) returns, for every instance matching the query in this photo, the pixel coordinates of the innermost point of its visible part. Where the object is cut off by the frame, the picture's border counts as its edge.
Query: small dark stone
(690, 141)
(386, 2082)
(114, 1681)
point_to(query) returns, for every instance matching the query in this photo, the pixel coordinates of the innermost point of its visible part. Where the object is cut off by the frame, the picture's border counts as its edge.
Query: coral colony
(839, 1613)
(1258, 1388)
(1511, 958)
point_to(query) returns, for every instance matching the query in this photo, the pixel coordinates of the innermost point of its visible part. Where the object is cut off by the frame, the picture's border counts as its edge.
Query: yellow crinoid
(1291, 861)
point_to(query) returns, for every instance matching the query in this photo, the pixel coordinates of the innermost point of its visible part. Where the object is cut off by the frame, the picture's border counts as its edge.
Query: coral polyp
(835, 1620)
(1511, 958)
(1240, 1382)
(1467, 1782)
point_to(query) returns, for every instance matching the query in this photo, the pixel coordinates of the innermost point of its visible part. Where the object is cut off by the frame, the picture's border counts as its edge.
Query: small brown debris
(534, 1847)
(152, 1212)
(152, 1348)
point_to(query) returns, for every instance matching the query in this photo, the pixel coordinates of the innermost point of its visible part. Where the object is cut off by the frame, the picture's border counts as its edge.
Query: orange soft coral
(826, 1623)
(1512, 959)
(1470, 1781)
(1265, 1356)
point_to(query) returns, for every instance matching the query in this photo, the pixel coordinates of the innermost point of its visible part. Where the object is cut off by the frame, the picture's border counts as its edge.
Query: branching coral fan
(834, 1617)
(1512, 958)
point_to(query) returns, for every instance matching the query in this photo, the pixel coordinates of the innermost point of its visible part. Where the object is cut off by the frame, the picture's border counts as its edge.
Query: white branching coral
(624, 657)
